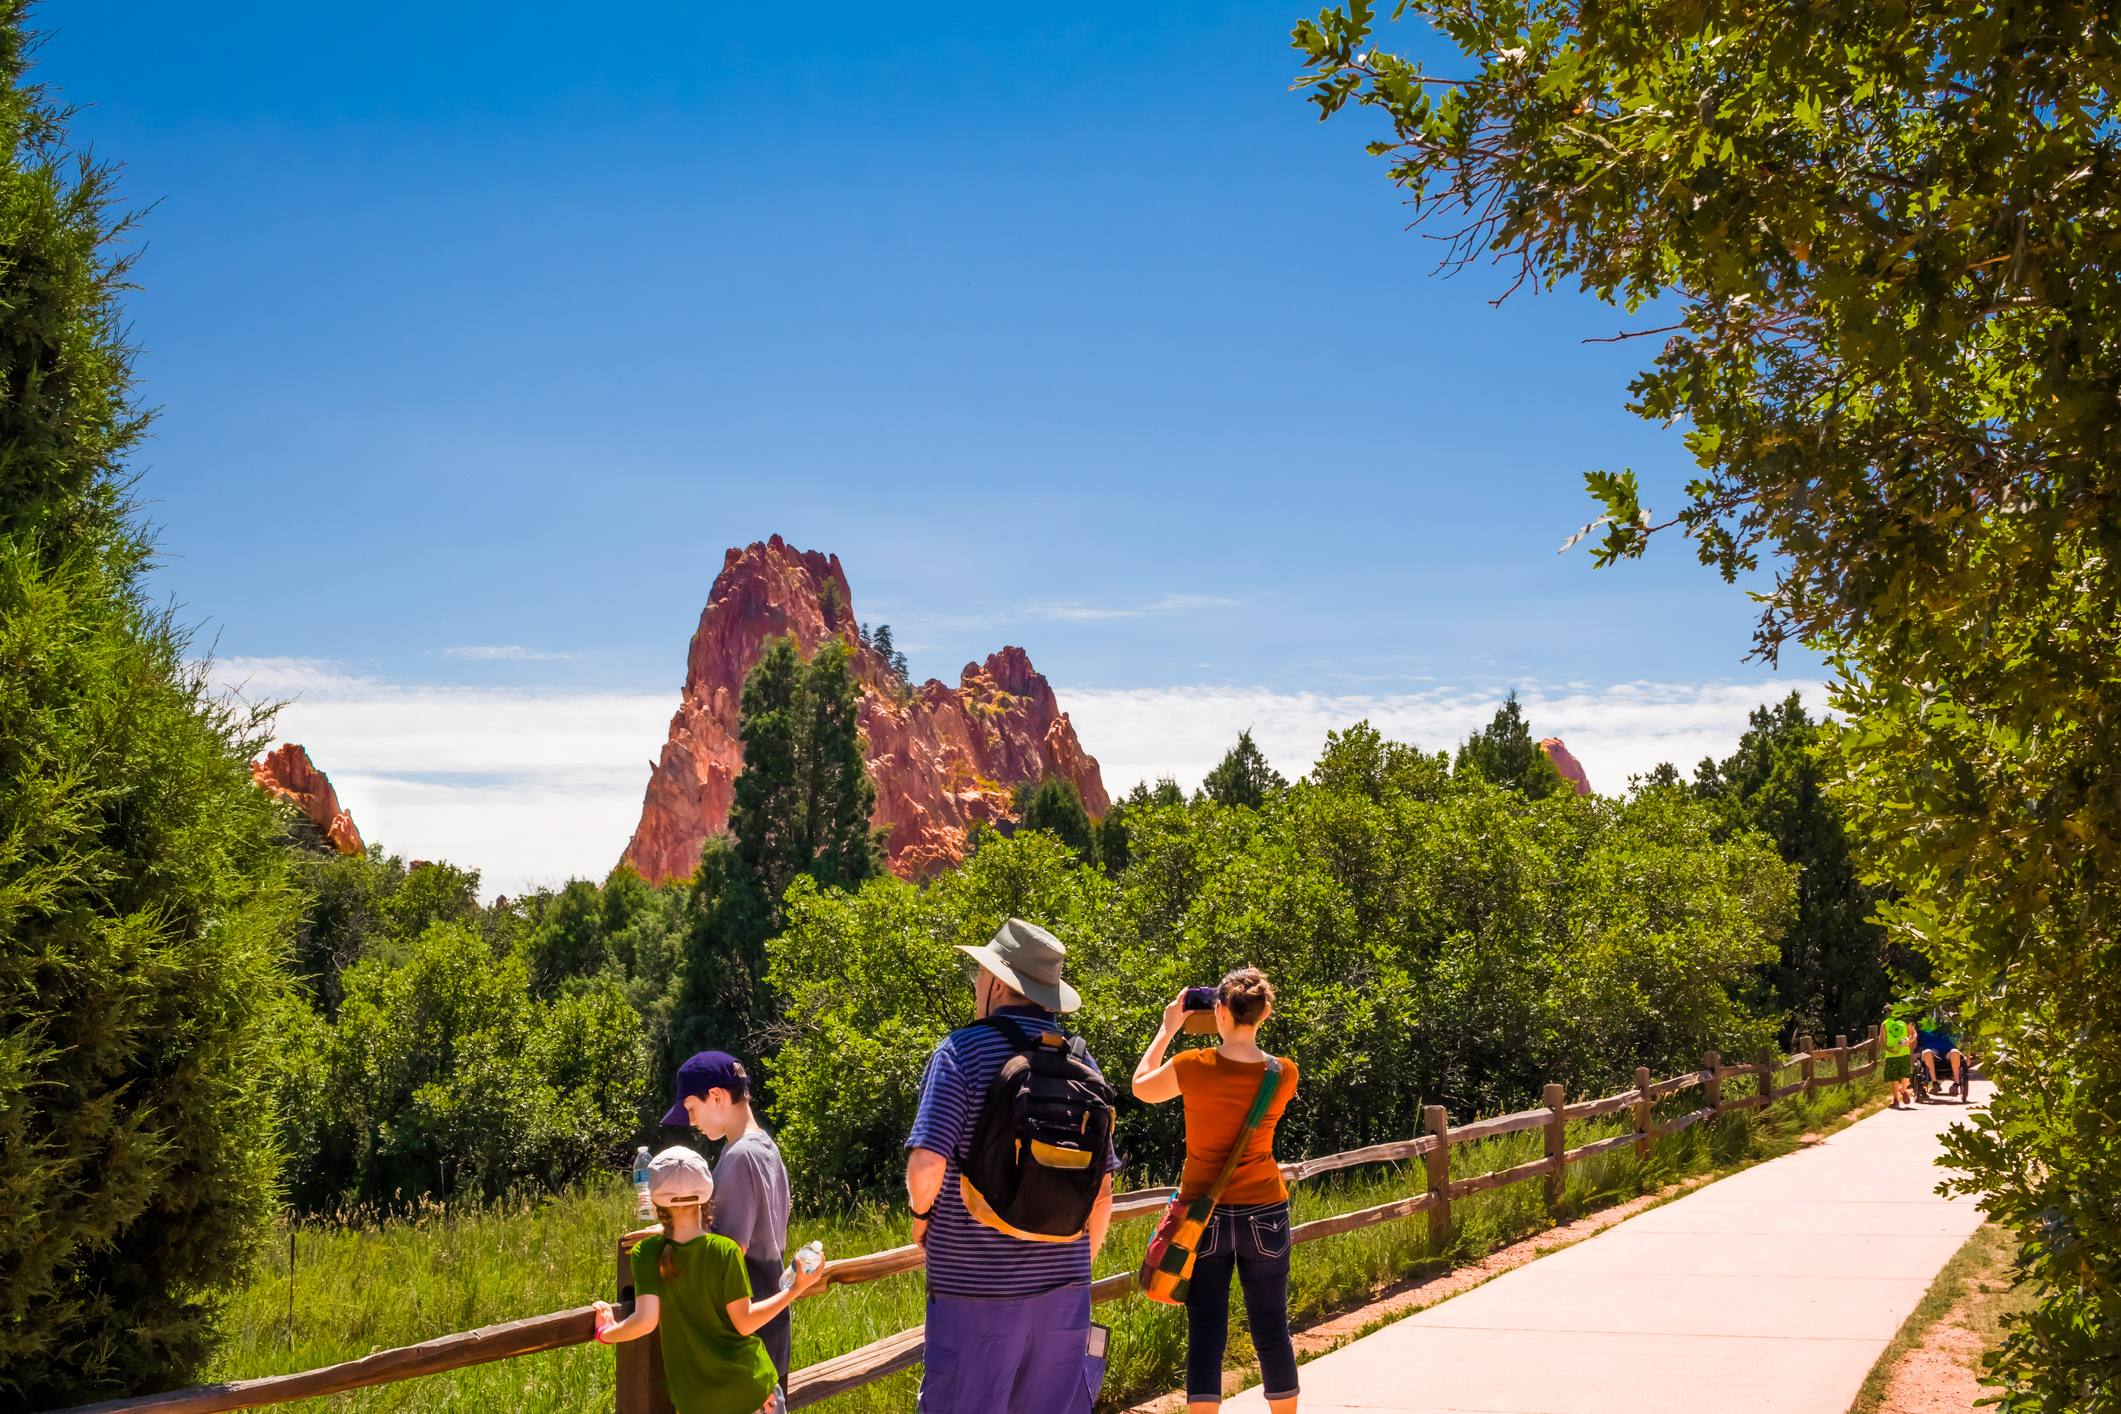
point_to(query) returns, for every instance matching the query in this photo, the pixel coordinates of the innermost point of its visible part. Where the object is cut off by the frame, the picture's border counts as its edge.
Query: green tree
(1114, 844)
(433, 892)
(1505, 754)
(848, 1074)
(801, 809)
(1434, 942)
(1361, 759)
(1243, 776)
(1057, 808)
(567, 938)
(1889, 267)
(445, 1076)
(1164, 792)
(1832, 976)
(886, 651)
(346, 914)
(145, 899)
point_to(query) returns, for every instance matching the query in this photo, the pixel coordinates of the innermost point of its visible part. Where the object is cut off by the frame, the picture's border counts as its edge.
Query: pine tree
(1115, 843)
(145, 894)
(801, 805)
(841, 847)
(892, 659)
(1832, 977)
(1505, 754)
(1057, 808)
(767, 818)
(1243, 777)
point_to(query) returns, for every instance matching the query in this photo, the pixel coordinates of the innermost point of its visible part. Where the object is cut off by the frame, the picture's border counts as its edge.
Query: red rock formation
(1571, 769)
(941, 757)
(291, 775)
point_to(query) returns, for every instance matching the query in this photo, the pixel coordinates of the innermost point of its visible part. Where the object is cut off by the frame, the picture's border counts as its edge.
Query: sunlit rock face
(1570, 768)
(942, 757)
(291, 775)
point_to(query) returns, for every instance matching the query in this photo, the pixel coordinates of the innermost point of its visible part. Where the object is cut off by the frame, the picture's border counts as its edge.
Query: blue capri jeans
(1251, 1239)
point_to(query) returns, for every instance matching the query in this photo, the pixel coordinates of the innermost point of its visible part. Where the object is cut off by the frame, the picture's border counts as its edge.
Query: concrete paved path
(1771, 1292)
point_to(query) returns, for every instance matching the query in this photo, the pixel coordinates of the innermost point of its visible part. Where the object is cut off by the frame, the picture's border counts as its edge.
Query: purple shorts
(1025, 1355)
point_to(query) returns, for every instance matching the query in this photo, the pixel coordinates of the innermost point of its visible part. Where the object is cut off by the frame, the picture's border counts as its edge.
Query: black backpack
(1043, 1140)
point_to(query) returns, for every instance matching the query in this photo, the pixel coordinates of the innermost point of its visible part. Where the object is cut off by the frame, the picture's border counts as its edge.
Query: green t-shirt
(709, 1367)
(1898, 1036)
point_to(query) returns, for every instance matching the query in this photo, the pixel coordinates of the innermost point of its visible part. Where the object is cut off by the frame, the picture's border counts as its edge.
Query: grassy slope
(357, 1289)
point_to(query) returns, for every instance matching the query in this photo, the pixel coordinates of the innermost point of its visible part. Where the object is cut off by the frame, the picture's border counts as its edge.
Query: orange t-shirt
(1218, 1094)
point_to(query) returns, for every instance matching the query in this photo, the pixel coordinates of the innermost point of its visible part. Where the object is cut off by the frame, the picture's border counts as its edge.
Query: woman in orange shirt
(1249, 1232)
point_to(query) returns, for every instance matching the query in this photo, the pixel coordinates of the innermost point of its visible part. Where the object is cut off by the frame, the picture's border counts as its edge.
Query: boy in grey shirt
(750, 1181)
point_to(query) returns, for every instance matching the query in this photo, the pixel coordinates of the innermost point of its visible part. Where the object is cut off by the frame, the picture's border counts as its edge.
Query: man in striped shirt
(1008, 1320)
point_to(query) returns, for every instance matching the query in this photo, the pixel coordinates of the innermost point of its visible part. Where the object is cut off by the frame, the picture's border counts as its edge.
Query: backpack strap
(1019, 1036)
(1024, 1039)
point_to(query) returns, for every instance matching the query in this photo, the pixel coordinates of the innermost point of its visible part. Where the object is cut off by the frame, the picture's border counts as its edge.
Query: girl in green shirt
(1896, 1045)
(689, 1286)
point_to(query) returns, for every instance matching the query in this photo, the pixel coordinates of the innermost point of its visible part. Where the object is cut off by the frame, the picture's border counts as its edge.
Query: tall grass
(362, 1286)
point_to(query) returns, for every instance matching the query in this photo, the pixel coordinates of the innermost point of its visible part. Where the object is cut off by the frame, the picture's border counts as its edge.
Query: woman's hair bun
(1247, 993)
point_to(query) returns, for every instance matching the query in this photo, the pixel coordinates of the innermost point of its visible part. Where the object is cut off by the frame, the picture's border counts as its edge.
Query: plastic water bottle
(807, 1256)
(643, 1205)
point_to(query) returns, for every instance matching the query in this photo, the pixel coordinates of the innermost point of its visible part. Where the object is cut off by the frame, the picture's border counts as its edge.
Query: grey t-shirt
(751, 1197)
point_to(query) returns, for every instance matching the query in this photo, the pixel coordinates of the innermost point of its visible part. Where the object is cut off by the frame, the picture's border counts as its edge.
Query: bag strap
(1269, 1085)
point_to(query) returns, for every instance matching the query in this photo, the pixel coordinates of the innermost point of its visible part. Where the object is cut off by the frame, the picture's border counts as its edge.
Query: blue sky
(491, 327)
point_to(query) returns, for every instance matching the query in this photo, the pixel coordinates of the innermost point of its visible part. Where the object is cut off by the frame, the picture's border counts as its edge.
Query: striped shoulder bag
(1167, 1268)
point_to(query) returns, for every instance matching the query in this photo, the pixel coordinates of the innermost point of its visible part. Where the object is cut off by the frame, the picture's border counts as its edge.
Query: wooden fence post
(1439, 1161)
(640, 1362)
(1642, 1112)
(1804, 1067)
(1841, 1060)
(1557, 1144)
(1767, 1078)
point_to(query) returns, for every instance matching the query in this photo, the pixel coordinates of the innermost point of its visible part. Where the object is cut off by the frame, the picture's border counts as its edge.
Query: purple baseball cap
(709, 1070)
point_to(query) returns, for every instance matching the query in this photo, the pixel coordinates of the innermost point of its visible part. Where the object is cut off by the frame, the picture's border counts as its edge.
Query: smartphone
(1201, 998)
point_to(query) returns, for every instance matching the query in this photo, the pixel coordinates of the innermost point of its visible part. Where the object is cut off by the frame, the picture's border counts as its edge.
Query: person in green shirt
(690, 1288)
(1896, 1046)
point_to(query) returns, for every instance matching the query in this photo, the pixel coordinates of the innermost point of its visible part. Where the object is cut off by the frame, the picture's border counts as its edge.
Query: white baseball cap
(679, 1175)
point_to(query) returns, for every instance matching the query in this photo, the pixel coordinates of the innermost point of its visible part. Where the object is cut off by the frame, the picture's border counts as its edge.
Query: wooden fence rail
(904, 1349)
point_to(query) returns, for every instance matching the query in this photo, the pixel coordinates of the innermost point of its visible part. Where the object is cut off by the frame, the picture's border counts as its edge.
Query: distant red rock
(291, 775)
(941, 757)
(1570, 768)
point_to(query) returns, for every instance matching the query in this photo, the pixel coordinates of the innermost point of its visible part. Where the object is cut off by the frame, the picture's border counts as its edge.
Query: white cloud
(491, 653)
(534, 787)
(1616, 731)
(1170, 604)
(530, 787)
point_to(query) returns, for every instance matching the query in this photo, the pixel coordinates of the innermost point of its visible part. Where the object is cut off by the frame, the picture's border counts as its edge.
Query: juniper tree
(1832, 976)
(1057, 808)
(145, 895)
(1503, 753)
(1243, 776)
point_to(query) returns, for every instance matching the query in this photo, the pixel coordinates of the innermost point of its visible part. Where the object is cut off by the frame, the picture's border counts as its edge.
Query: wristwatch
(923, 1217)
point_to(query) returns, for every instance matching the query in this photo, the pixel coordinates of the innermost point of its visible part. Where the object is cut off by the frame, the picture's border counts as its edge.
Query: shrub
(444, 1075)
(1432, 941)
(144, 909)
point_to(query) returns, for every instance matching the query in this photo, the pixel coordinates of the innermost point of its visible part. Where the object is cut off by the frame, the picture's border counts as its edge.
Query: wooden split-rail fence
(640, 1384)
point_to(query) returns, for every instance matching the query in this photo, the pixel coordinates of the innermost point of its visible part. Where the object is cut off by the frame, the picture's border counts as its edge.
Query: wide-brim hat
(1029, 959)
